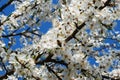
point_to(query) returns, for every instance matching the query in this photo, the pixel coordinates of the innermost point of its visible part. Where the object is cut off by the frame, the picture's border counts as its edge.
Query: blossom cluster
(63, 52)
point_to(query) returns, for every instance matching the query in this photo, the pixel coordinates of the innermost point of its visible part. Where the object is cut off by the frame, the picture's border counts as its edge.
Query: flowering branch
(78, 28)
(64, 52)
(107, 3)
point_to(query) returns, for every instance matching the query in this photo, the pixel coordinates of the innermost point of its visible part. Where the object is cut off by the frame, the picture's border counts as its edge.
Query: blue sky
(8, 10)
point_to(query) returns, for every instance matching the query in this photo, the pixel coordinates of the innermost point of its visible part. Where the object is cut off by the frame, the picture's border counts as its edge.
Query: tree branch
(107, 3)
(5, 5)
(86, 73)
(51, 70)
(23, 65)
(49, 59)
(78, 28)
(6, 75)
(75, 31)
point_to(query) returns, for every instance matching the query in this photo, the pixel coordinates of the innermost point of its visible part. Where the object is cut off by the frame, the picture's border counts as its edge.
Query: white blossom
(78, 34)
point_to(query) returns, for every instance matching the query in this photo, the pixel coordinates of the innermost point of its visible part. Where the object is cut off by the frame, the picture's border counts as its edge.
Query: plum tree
(81, 45)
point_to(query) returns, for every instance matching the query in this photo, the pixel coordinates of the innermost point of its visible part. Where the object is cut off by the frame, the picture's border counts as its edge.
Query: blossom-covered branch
(77, 46)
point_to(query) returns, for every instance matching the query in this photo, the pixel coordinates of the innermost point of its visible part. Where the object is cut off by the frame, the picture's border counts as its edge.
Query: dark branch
(8, 72)
(78, 28)
(51, 70)
(22, 33)
(109, 78)
(49, 59)
(6, 75)
(86, 72)
(107, 3)
(23, 65)
(75, 32)
(5, 5)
